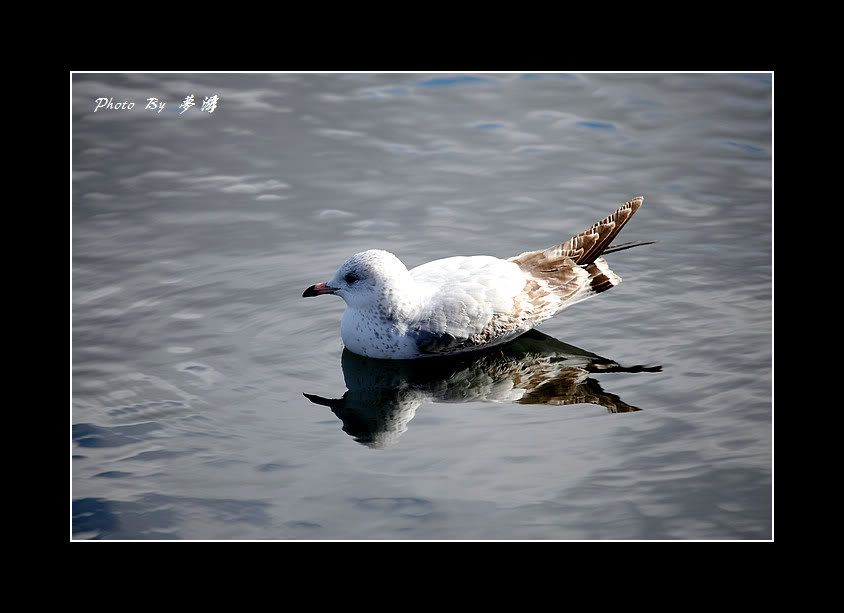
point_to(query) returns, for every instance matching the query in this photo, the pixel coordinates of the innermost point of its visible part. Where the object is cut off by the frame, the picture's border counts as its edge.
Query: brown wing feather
(570, 268)
(586, 247)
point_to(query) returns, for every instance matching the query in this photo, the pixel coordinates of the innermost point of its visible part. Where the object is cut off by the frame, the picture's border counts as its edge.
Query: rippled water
(194, 235)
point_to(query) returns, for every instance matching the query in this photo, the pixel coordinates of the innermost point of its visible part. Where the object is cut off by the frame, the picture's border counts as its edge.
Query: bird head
(365, 280)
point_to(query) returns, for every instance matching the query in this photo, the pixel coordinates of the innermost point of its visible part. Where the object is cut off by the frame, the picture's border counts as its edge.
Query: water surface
(194, 235)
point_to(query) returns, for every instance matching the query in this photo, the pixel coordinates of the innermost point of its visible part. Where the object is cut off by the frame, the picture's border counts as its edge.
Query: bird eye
(350, 277)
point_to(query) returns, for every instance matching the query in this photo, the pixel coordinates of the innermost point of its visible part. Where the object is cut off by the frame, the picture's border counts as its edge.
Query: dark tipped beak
(316, 290)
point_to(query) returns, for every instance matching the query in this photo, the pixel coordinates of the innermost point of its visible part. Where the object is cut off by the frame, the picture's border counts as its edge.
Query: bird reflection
(383, 395)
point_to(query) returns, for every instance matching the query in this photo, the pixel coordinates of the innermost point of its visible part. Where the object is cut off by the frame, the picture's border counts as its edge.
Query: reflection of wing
(383, 395)
(571, 386)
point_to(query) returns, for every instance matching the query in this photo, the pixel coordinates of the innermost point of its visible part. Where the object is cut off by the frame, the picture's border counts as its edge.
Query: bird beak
(316, 290)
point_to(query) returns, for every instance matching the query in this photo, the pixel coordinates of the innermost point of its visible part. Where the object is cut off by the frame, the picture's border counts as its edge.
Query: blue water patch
(596, 125)
(90, 435)
(93, 514)
(449, 81)
(746, 147)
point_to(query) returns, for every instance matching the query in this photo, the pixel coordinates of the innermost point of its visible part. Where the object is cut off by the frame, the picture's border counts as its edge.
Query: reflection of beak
(335, 403)
(316, 290)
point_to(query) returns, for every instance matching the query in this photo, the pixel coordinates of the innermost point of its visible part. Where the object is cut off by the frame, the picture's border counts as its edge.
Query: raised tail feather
(629, 245)
(586, 247)
(575, 269)
(601, 278)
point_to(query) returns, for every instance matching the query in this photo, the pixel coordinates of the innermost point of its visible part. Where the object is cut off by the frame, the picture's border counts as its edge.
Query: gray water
(194, 235)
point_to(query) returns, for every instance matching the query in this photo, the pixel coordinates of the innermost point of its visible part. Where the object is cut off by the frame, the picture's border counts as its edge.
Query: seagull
(467, 303)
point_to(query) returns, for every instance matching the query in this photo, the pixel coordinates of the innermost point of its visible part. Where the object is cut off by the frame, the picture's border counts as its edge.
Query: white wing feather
(461, 294)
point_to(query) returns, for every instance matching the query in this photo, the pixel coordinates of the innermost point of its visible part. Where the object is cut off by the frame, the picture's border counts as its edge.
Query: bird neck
(400, 300)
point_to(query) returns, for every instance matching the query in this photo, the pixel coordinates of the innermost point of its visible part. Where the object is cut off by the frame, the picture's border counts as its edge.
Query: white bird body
(455, 296)
(466, 303)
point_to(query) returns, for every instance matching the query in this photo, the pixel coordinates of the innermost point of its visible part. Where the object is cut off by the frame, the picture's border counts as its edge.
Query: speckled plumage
(461, 303)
